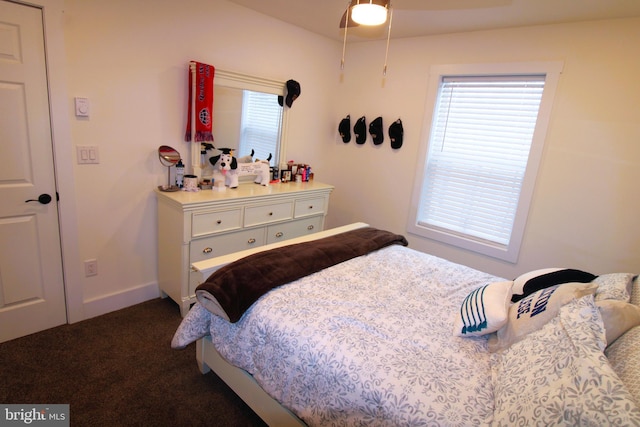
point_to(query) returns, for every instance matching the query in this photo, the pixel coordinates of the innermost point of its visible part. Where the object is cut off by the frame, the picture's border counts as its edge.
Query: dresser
(196, 226)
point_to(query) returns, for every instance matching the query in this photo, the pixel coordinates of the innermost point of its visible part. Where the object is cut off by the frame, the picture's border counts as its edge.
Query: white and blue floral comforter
(366, 342)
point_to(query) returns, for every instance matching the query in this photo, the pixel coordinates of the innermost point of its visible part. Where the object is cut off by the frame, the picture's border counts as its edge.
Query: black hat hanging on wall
(344, 128)
(360, 130)
(375, 129)
(396, 134)
(293, 92)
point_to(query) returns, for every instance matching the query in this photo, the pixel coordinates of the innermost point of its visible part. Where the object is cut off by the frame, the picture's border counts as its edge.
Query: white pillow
(484, 310)
(531, 313)
(618, 317)
(558, 375)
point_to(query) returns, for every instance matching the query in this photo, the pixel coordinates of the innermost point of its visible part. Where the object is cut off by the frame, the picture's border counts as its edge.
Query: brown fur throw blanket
(232, 289)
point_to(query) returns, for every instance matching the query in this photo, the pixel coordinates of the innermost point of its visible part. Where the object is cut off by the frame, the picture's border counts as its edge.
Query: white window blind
(260, 125)
(479, 146)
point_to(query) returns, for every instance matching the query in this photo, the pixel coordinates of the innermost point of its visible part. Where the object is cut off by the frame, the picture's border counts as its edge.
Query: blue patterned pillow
(484, 310)
(624, 356)
(616, 286)
(635, 291)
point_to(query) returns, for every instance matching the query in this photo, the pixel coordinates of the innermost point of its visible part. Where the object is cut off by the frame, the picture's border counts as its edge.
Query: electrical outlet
(91, 267)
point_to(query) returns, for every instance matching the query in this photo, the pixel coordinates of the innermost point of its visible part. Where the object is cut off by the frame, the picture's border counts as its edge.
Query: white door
(31, 282)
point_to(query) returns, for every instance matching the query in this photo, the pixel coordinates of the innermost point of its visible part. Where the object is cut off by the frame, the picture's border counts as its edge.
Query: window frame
(510, 251)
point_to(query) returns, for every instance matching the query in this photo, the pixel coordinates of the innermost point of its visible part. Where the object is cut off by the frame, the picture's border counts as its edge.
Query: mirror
(168, 157)
(240, 101)
(247, 121)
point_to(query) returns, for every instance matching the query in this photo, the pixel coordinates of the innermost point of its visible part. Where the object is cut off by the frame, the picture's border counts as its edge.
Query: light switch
(87, 154)
(82, 107)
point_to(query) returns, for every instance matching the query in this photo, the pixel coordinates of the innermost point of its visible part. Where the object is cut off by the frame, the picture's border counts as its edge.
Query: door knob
(45, 199)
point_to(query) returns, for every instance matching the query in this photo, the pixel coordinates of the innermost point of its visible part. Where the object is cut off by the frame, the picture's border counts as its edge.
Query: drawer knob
(310, 206)
(279, 234)
(207, 250)
(310, 227)
(251, 241)
(219, 221)
(270, 213)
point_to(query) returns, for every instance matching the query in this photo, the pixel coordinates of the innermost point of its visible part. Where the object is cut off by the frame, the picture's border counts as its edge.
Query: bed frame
(240, 381)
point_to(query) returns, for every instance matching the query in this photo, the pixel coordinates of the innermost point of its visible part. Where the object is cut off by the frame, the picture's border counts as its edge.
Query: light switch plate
(87, 154)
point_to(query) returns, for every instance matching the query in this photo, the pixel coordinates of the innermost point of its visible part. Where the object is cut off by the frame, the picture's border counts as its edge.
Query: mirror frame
(237, 80)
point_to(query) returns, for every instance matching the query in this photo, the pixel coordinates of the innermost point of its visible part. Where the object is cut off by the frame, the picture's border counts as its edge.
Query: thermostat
(82, 107)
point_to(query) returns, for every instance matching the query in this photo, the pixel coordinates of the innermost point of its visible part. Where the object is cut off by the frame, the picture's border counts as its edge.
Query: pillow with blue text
(484, 310)
(533, 281)
(534, 311)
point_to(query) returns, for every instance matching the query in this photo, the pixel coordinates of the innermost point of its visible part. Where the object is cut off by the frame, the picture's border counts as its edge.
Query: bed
(381, 334)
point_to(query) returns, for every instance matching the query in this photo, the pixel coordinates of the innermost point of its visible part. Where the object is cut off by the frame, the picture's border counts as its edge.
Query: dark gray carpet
(119, 370)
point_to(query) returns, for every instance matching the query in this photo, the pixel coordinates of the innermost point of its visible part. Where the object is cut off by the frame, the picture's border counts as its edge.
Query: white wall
(586, 201)
(130, 59)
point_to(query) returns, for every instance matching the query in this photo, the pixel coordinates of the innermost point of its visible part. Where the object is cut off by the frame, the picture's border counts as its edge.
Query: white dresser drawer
(264, 214)
(289, 230)
(210, 247)
(203, 223)
(197, 226)
(308, 207)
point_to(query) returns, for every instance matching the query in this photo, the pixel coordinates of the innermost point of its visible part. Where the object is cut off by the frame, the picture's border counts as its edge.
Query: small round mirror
(168, 157)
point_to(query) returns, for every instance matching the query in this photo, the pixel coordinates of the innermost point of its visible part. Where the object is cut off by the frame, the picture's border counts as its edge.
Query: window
(479, 161)
(260, 125)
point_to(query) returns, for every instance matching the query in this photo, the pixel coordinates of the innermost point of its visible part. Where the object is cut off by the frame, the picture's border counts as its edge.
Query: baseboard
(118, 300)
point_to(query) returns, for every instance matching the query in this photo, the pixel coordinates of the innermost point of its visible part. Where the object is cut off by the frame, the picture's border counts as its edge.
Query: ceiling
(414, 18)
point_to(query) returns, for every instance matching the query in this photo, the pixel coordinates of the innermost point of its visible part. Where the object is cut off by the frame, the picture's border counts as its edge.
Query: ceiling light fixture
(370, 13)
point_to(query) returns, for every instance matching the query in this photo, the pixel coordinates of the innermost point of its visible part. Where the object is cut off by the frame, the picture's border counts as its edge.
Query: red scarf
(203, 74)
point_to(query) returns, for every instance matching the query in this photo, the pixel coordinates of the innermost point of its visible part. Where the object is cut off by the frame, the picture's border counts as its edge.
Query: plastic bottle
(180, 174)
